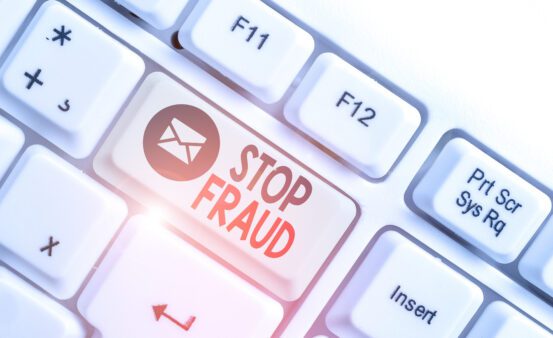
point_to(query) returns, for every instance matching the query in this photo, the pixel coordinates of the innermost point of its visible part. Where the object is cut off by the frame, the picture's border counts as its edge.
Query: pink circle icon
(181, 142)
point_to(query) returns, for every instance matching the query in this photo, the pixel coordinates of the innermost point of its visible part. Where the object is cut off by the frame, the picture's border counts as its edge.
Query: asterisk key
(62, 35)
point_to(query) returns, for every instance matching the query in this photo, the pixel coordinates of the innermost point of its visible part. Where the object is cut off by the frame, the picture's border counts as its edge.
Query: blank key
(401, 291)
(12, 14)
(161, 14)
(11, 141)
(536, 264)
(27, 313)
(499, 320)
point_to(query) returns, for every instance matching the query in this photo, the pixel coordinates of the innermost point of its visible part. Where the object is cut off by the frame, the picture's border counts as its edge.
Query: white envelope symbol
(181, 141)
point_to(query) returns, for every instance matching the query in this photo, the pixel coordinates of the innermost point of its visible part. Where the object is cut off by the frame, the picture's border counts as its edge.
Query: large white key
(240, 197)
(402, 291)
(12, 14)
(161, 14)
(25, 312)
(481, 200)
(55, 221)
(499, 320)
(11, 141)
(248, 42)
(69, 78)
(352, 115)
(185, 294)
(536, 264)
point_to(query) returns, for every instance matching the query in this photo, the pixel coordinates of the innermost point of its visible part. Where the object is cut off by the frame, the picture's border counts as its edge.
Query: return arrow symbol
(159, 311)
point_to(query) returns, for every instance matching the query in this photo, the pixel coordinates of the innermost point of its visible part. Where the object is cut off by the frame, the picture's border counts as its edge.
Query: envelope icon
(181, 141)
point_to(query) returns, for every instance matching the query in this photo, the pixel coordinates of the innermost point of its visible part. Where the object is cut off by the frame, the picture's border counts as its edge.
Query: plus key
(72, 86)
(33, 78)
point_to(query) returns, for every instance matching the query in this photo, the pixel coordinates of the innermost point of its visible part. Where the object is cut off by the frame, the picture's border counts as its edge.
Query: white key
(253, 206)
(481, 200)
(28, 313)
(248, 42)
(69, 77)
(352, 115)
(55, 221)
(186, 294)
(11, 141)
(499, 320)
(402, 291)
(536, 264)
(12, 14)
(161, 14)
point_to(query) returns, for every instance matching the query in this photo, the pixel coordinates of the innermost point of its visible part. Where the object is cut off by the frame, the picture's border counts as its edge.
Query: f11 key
(248, 42)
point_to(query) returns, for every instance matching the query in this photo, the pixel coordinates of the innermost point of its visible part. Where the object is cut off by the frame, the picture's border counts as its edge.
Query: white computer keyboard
(216, 168)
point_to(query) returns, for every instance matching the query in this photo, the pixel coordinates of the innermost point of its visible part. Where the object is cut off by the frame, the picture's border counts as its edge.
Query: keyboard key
(185, 293)
(352, 115)
(12, 14)
(536, 264)
(481, 200)
(27, 313)
(161, 14)
(249, 43)
(70, 77)
(402, 291)
(55, 221)
(252, 205)
(11, 141)
(499, 320)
